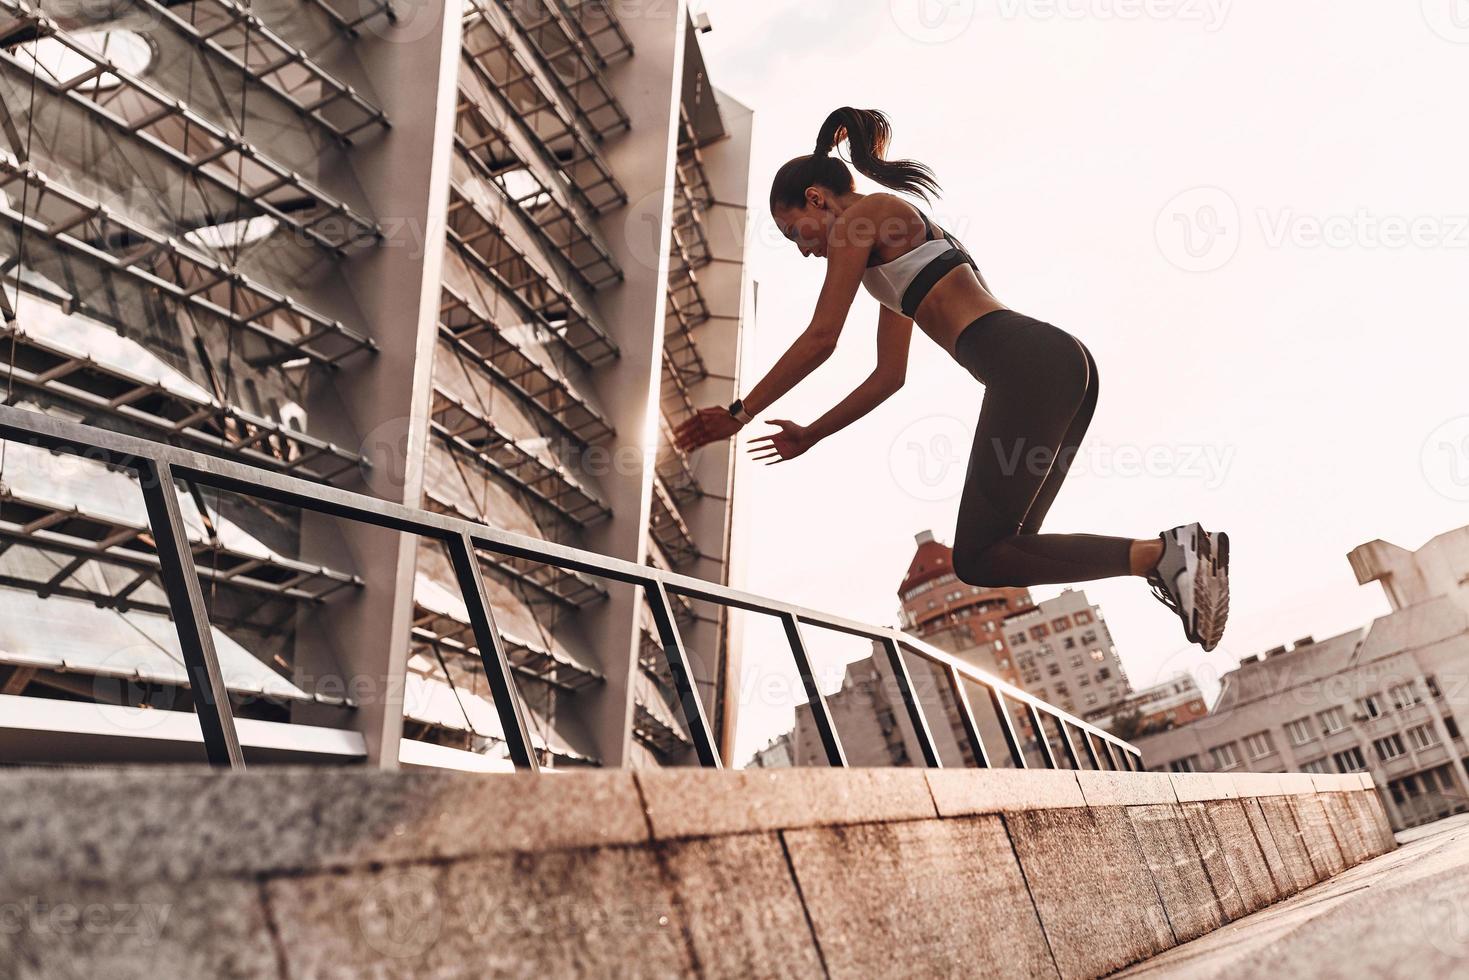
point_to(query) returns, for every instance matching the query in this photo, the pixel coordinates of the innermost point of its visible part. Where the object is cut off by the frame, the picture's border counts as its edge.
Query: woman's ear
(815, 199)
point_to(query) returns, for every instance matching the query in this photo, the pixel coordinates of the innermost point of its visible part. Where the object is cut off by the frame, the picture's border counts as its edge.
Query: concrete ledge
(705, 803)
(1125, 788)
(964, 792)
(1197, 787)
(863, 872)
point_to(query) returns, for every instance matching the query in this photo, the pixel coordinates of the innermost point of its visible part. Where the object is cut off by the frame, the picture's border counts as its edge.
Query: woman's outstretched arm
(845, 263)
(894, 336)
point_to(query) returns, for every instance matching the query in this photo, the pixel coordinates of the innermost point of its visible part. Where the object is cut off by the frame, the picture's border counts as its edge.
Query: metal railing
(158, 466)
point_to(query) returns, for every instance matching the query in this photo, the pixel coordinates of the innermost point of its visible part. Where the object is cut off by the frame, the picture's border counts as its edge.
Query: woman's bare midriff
(953, 304)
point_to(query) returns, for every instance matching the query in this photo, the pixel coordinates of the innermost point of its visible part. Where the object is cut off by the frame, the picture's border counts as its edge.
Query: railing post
(820, 713)
(492, 652)
(1007, 728)
(910, 700)
(1112, 762)
(966, 715)
(190, 618)
(682, 674)
(1091, 749)
(1042, 739)
(1066, 742)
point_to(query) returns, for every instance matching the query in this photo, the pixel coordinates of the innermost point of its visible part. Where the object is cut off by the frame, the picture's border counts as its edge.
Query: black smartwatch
(737, 409)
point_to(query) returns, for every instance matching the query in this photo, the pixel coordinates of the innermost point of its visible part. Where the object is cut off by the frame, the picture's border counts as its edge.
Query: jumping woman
(1040, 382)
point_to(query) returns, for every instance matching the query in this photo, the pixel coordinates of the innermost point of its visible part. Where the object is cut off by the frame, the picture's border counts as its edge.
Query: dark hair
(867, 133)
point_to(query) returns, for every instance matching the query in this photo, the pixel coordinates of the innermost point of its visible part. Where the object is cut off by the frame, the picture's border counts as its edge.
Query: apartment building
(476, 257)
(1064, 654)
(1387, 699)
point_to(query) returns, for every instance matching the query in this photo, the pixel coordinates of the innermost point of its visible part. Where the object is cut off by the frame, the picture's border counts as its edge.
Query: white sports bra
(901, 284)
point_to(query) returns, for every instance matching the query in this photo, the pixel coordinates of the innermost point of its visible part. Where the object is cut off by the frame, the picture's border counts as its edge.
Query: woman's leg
(1034, 416)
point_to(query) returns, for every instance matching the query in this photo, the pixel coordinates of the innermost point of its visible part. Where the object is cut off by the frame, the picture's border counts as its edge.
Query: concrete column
(639, 237)
(381, 402)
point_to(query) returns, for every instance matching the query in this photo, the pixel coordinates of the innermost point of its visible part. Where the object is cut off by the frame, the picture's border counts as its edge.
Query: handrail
(158, 465)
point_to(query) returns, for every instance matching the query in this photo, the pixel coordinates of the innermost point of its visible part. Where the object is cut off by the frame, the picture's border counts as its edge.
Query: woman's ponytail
(867, 134)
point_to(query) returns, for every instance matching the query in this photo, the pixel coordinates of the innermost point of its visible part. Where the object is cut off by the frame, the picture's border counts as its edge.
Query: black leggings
(1040, 393)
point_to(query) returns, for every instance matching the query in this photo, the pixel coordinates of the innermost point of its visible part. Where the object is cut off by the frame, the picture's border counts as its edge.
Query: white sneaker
(1192, 579)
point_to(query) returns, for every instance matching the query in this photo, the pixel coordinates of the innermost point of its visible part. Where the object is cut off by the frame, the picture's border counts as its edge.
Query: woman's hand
(705, 426)
(791, 441)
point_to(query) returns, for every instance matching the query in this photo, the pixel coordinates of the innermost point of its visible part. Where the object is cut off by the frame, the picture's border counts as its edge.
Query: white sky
(1289, 390)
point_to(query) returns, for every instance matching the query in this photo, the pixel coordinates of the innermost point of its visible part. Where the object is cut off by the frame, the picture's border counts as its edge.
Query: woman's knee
(980, 565)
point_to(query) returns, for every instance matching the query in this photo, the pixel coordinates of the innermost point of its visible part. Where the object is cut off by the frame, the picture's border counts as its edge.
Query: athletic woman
(1040, 382)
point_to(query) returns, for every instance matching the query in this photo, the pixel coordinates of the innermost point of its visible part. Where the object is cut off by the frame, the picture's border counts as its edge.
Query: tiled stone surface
(739, 903)
(959, 792)
(1178, 870)
(1320, 838)
(918, 899)
(1092, 886)
(1242, 852)
(1373, 816)
(1351, 836)
(705, 803)
(148, 931)
(561, 914)
(1104, 788)
(197, 823)
(1285, 881)
(1289, 840)
(1216, 862)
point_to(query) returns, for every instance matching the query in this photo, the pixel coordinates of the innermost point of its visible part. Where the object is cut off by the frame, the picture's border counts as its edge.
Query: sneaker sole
(1217, 614)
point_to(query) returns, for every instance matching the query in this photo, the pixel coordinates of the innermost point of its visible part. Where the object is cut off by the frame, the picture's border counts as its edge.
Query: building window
(1104, 674)
(1451, 725)
(1332, 720)
(1225, 756)
(1089, 637)
(1189, 763)
(1038, 633)
(1350, 760)
(1403, 696)
(1318, 766)
(1069, 642)
(1061, 624)
(1085, 681)
(1077, 661)
(1018, 639)
(1098, 656)
(1091, 699)
(1300, 731)
(1054, 669)
(1082, 618)
(1259, 745)
(1389, 747)
(1422, 736)
(1370, 706)
(1431, 683)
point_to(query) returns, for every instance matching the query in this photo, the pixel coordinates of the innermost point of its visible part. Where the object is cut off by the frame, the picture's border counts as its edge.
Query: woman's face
(808, 226)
